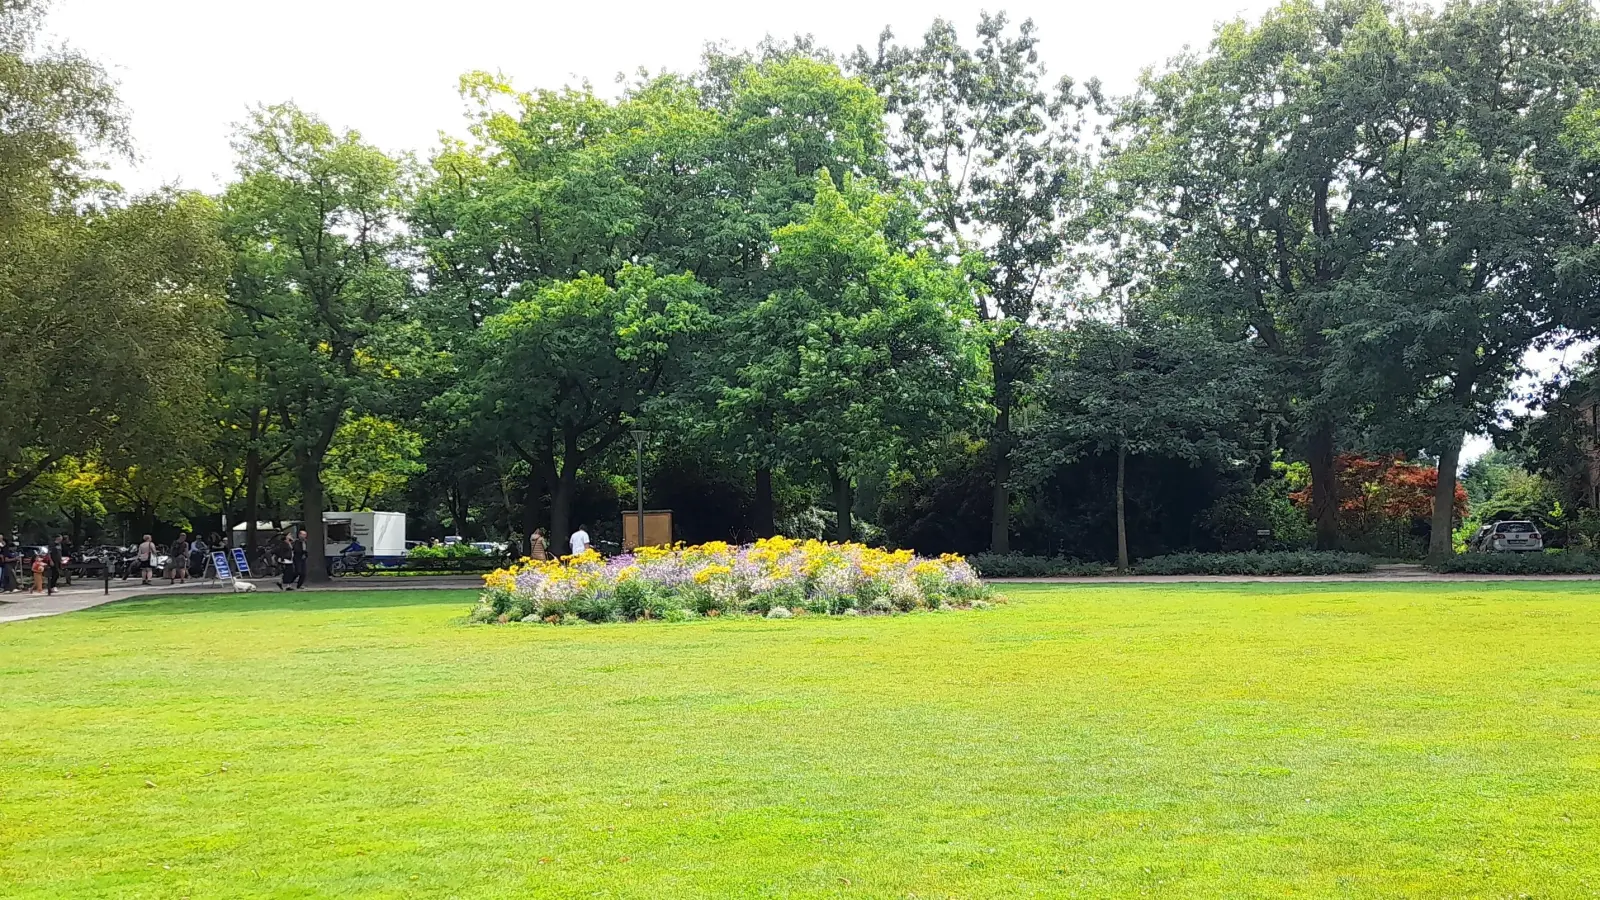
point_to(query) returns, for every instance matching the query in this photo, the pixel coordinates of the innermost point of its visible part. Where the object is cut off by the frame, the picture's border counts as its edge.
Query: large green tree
(109, 332)
(318, 292)
(568, 367)
(683, 175)
(1242, 195)
(1487, 218)
(992, 151)
(861, 355)
(105, 302)
(1147, 385)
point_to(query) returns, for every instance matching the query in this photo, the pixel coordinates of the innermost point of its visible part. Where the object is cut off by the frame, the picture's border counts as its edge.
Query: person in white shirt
(580, 541)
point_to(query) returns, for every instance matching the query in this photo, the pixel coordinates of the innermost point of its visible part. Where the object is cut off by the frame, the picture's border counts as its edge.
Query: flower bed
(776, 578)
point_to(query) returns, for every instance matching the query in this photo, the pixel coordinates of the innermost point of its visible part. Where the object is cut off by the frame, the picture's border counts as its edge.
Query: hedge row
(1289, 562)
(1555, 563)
(1016, 565)
(1021, 565)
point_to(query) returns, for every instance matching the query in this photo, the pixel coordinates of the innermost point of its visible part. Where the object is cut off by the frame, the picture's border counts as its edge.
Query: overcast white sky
(190, 69)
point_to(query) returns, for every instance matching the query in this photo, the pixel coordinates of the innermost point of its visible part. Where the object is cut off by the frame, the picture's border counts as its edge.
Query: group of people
(184, 556)
(46, 569)
(539, 544)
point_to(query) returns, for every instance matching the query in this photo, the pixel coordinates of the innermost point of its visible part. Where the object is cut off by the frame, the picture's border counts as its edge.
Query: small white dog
(243, 587)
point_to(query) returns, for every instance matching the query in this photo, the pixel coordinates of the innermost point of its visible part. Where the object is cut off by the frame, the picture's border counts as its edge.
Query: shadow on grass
(272, 600)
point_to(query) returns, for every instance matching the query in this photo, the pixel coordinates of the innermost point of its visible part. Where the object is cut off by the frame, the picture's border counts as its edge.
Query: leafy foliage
(860, 354)
(1549, 563)
(1022, 565)
(1281, 563)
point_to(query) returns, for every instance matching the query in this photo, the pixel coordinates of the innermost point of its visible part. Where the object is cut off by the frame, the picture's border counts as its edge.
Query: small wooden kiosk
(657, 528)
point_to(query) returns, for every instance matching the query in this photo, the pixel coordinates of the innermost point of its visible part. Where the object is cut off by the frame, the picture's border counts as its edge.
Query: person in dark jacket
(8, 567)
(283, 555)
(56, 563)
(69, 552)
(302, 556)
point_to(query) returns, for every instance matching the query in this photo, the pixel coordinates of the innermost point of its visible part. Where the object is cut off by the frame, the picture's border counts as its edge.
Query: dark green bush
(636, 598)
(1301, 562)
(595, 607)
(1552, 563)
(446, 551)
(1020, 565)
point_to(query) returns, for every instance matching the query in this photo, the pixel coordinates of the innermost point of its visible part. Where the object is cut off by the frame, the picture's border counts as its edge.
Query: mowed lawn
(1096, 741)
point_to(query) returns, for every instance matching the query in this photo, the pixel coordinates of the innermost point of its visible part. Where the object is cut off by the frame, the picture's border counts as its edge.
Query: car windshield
(1516, 528)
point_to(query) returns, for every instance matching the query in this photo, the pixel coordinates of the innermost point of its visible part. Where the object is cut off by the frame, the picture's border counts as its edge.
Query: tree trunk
(456, 499)
(842, 503)
(1000, 500)
(1263, 471)
(561, 507)
(252, 500)
(533, 492)
(311, 503)
(765, 524)
(1441, 542)
(1122, 516)
(1324, 486)
(5, 517)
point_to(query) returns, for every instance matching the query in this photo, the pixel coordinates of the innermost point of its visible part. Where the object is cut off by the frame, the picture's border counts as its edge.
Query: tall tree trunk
(252, 501)
(842, 503)
(561, 494)
(532, 493)
(1324, 486)
(1000, 499)
(456, 499)
(1263, 471)
(5, 516)
(765, 524)
(1441, 541)
(1122, 515)
(311, 503)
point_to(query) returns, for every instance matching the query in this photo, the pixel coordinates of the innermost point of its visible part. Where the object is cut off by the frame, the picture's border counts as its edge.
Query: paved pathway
(86, 594)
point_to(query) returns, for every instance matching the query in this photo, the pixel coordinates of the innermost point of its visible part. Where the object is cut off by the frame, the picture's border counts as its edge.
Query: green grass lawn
(1095, 741)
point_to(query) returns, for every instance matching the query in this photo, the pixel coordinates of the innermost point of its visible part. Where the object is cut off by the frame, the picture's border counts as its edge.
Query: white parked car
(1499, 537)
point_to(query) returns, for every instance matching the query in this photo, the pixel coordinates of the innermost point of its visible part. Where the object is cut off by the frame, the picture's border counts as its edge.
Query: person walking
(580, 540)
(178, 560)
(57, 562)
(538, 545)
(69, 552)
(8, 567)
(283, 554)
(146, 556)
(38, 573)
(302, 556)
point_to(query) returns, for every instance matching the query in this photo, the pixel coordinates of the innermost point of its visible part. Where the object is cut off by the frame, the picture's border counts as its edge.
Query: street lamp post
(639, 437)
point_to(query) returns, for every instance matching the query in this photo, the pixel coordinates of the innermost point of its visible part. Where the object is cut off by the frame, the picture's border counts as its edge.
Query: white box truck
(383, 534)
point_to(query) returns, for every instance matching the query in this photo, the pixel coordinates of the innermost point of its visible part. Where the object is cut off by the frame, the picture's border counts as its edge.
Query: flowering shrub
(717, 579)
